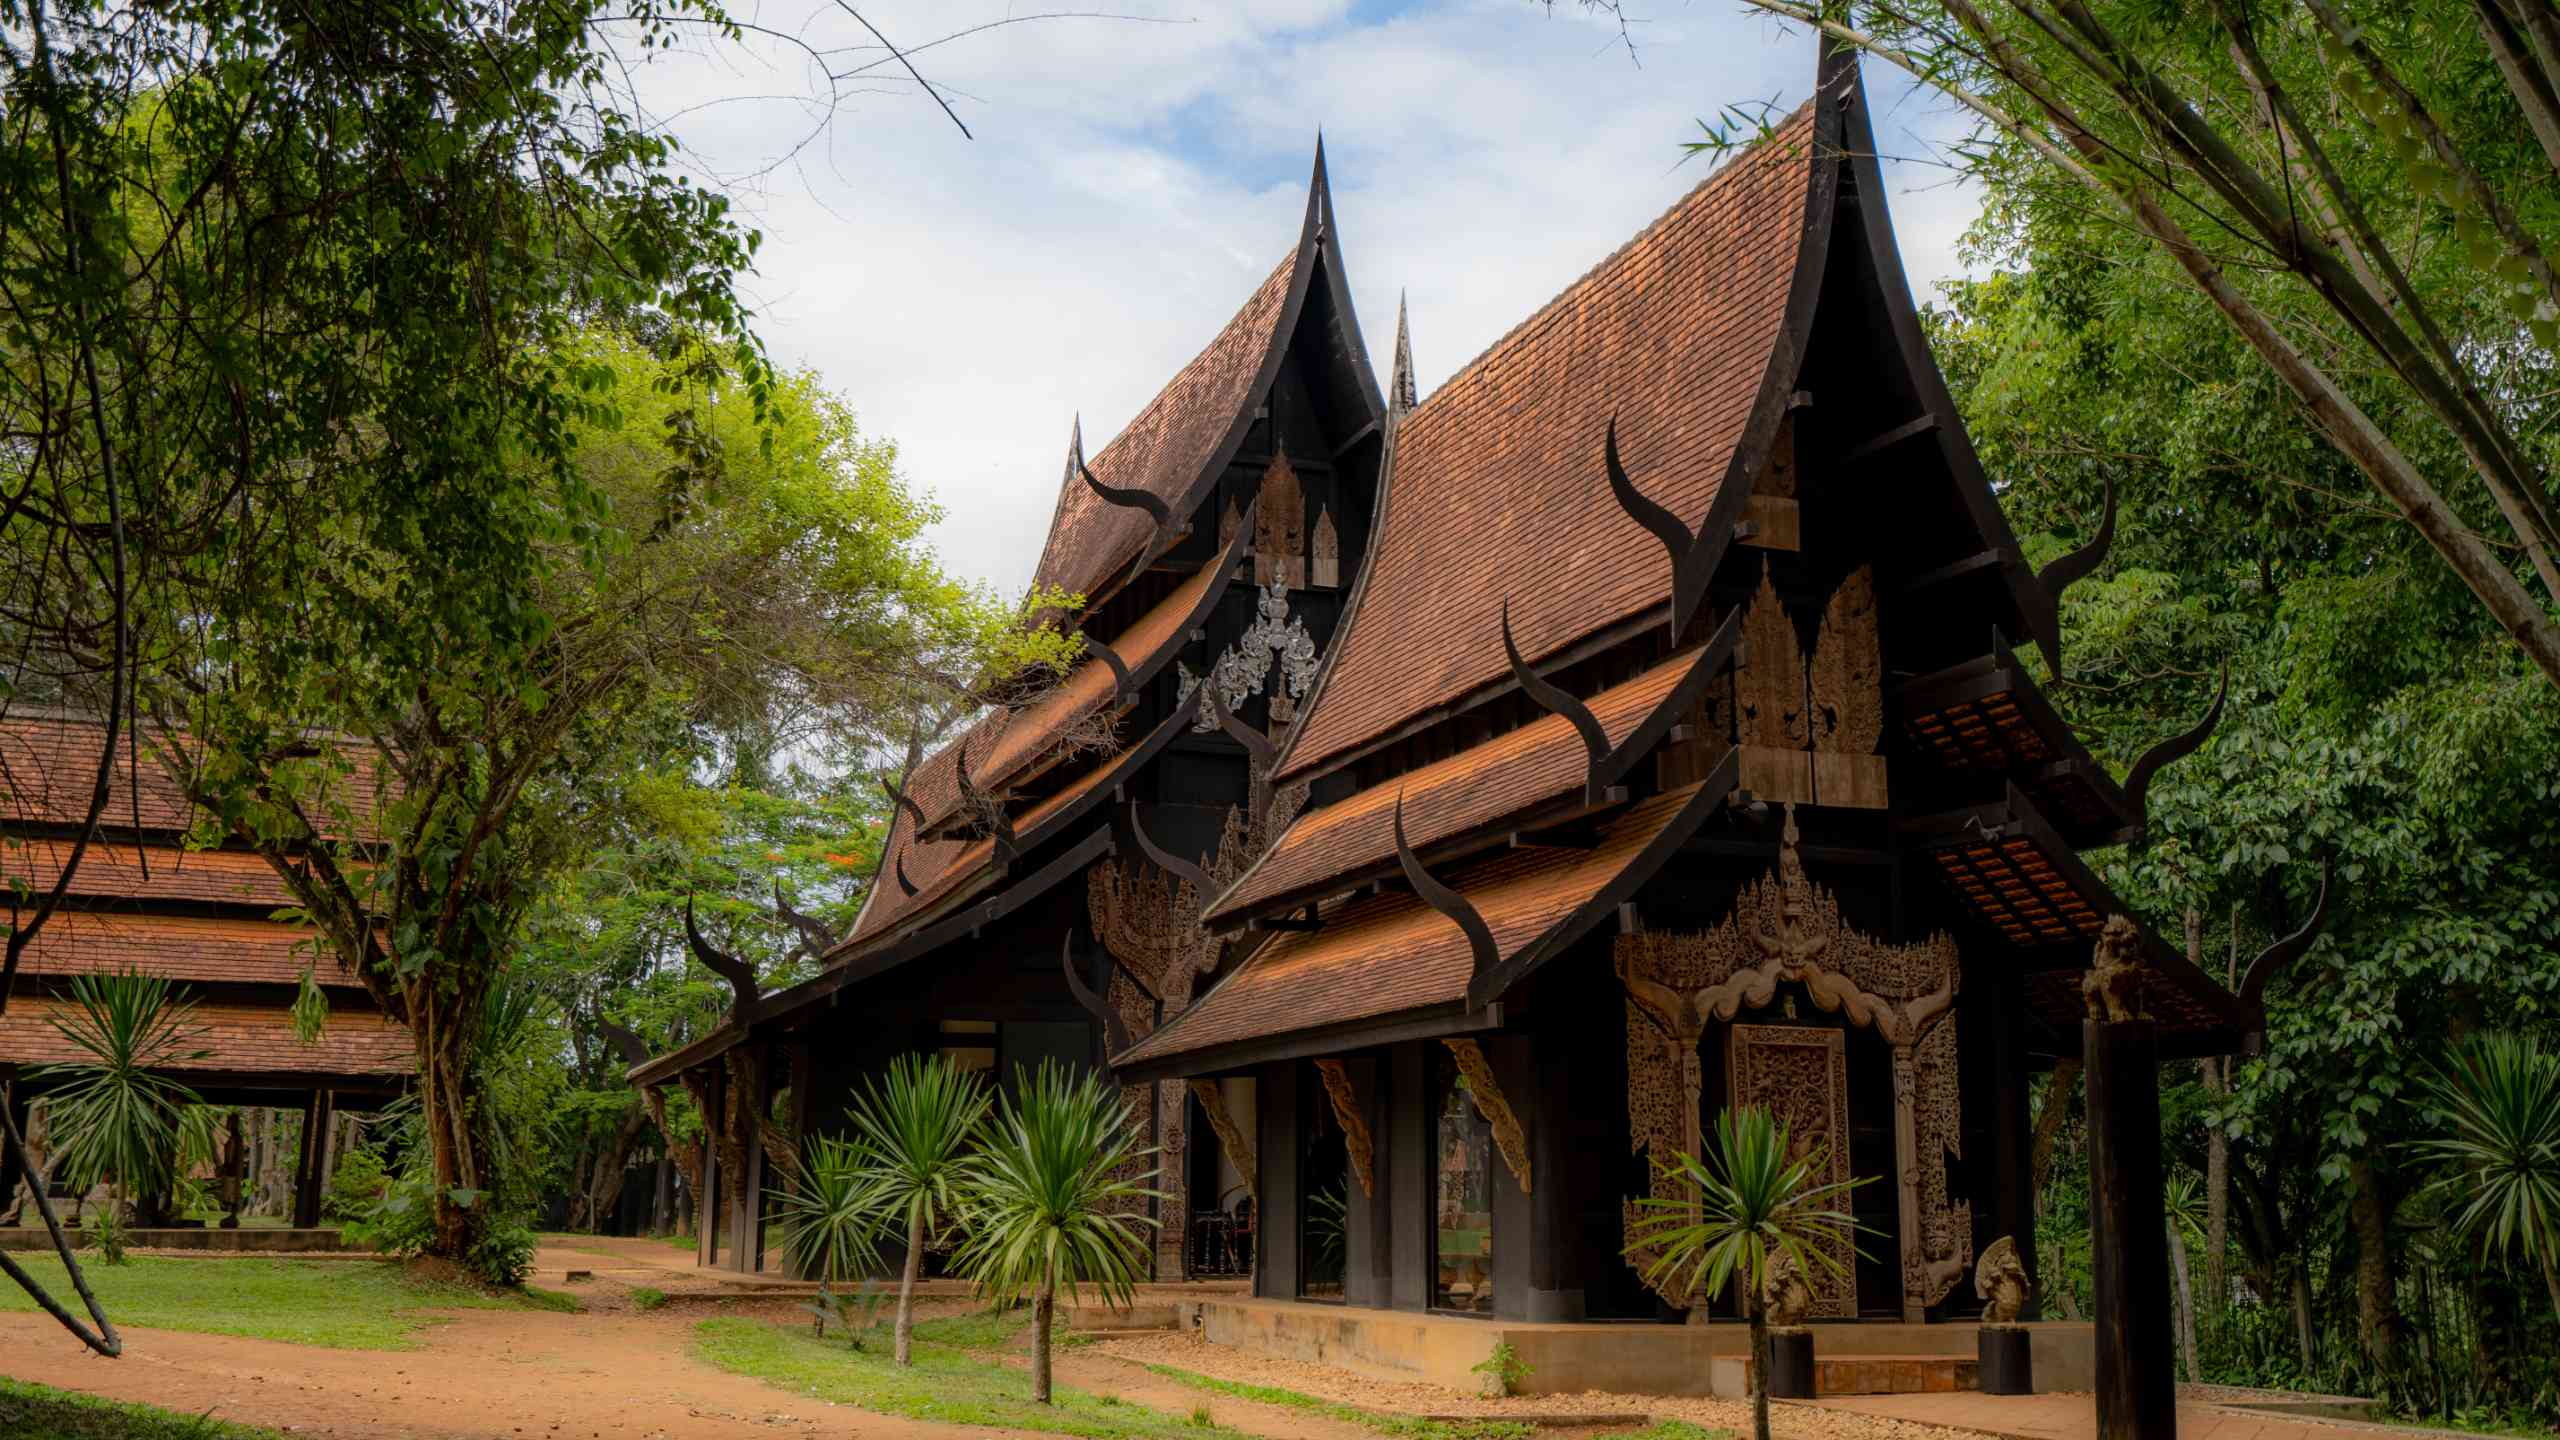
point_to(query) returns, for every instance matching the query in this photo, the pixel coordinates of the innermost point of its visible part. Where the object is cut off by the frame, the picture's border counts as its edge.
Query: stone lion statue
(1784, 1297)
(2000, 1279)
(2113, 987)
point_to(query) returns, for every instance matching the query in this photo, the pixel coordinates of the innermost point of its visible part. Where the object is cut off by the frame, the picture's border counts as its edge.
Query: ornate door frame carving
(1783, 927)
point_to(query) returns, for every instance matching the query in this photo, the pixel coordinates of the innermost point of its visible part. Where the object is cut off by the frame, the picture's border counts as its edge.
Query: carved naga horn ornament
(1693, 556)
(2137, 783)
(1115, 1031)
(1488, 954)
(740, 975)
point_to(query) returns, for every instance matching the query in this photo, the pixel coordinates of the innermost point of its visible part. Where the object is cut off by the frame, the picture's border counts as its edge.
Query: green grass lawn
(1405, 1427)
(960, 1378)
(340, 1304)
(35, 1412)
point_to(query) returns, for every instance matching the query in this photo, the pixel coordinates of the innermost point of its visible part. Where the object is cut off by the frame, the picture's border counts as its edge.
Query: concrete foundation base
(262, 1240)
(1630, 1359)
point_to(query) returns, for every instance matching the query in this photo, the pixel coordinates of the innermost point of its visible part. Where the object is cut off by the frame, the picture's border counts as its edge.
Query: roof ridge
(1677, 207)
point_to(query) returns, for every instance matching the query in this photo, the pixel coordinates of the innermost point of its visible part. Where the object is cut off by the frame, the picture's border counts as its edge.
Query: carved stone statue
(2117, 975)
(1784, 1297)
(2000, 1279)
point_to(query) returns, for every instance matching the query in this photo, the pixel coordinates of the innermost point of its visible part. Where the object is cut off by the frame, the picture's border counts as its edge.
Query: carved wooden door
(1800, 1074)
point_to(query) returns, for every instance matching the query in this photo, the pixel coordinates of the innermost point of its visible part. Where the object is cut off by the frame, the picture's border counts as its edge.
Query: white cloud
(1130, 181)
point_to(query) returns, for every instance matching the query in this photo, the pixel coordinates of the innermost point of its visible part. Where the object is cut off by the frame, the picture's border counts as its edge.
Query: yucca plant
(914, 1128)
(117, 1114)
(1751, 1202)
(830, 1221)
(1051, 1203)
(2499, 1104)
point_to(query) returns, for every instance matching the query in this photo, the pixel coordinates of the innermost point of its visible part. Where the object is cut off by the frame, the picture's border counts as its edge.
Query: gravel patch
(1187, 1351)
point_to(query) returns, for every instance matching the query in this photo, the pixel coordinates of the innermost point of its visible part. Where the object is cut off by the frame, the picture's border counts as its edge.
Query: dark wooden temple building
(1675, 755)
(206, 919)
(1040, 892)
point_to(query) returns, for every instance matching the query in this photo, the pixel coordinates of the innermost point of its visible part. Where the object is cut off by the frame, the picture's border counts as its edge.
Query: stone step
(1095, 1319)
(1893, 1374)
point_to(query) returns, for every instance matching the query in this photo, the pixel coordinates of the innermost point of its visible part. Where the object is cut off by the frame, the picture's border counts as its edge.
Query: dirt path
(613, 1373)
(488, 1375)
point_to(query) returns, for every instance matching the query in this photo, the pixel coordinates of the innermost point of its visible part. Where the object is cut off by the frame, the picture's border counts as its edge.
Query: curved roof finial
(1400, 389)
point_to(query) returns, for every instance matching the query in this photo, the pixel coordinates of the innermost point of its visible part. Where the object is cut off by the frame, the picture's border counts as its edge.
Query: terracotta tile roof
(243, 1038)
(48, 763)
(1167, 448)
(1507, 775)
(1390, 953)
(185, 947)
(116, 869)
(1498, 488)
(1001, 751)
(941, 869)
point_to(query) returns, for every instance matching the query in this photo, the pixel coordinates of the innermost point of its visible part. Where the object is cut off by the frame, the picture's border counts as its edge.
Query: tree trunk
(1042, 1311)
(2217, 1164)
(907, 1283)
(604, 1184)
(1759, 1366)
(443, 1013)
(2302, 1311)
(2186, 1303)
(2057, 1108)
(2377, 1304)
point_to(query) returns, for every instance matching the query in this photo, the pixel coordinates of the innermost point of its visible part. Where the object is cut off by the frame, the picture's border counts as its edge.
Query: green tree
(1751, 1201)
(915, 1125)
(794, 584)
(1052, 1202)
(830, 1215)
(2499, 1105)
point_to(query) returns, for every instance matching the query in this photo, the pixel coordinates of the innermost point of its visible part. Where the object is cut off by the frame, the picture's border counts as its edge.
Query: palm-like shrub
(2499, 1104)
(116, 1114)
(1750, 1202)
(1052, 1203)
(914, 1129)
(830, 1221)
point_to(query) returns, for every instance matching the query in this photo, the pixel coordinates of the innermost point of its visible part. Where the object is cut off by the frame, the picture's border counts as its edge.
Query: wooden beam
(2129, 1248)
(1878, 444)
(1986, 561)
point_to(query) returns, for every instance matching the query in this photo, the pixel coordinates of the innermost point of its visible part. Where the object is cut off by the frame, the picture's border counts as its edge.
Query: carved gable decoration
(1783, 927)
(1325, 569)
(1809, 722)
(1244, 670)
(1280, 528)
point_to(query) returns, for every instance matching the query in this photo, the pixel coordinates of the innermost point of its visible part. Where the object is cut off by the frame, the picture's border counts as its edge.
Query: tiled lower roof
(183, 947)
(243, 1039)
(115, 869)
(49, 764)
(1498, 489)
(1391, 953)
(1507, 775)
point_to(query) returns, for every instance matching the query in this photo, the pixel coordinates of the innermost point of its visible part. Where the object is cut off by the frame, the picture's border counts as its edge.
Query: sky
(1130, 176)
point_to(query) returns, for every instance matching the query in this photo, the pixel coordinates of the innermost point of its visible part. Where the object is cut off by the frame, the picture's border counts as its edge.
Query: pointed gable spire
(1400, 391)
(1319, 194)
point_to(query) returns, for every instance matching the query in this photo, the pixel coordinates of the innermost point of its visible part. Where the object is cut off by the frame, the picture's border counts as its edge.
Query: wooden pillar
(662, 1195)
(1407, 1174)
(310, 1166)
(707, 1206)
(1279, 1206)
(1368, 1254)
(2129, 1247)
(746, 1211)
(1514, 1224)
(1556, 1294)
(13, 1165)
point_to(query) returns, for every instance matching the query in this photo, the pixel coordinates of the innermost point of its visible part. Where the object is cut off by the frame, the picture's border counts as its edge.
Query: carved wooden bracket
(1508, 1137)
(1213, 1103)
(1355, 1122)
